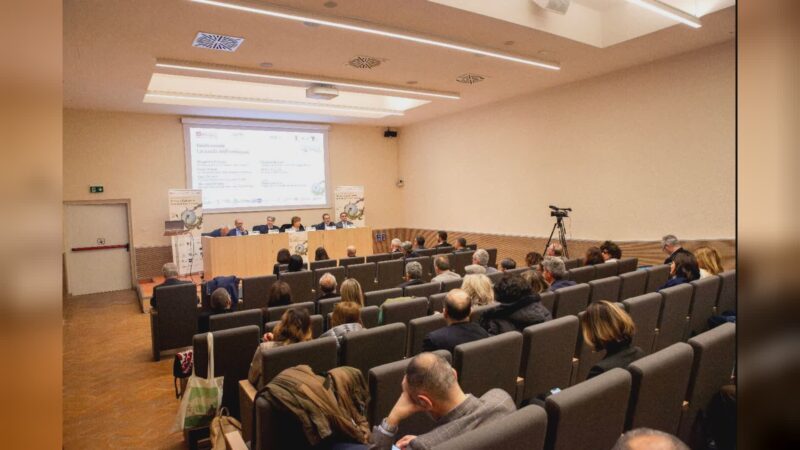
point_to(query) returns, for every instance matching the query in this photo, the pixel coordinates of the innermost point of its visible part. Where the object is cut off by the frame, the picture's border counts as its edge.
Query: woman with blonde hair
(350, 290)
(536, 280)
(479, 289)
(294, 327)
(708, 261)
(606, 326)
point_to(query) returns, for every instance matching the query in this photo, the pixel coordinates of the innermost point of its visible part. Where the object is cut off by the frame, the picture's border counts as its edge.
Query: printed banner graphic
(186, 205)
(350, 200)
(298, 244)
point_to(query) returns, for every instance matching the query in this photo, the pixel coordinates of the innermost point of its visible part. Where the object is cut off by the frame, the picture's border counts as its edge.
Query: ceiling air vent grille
(364, 62)
(470, 78)
(217, 42)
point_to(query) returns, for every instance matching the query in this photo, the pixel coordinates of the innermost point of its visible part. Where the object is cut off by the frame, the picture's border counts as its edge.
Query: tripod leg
(550, 239)
(562, 237)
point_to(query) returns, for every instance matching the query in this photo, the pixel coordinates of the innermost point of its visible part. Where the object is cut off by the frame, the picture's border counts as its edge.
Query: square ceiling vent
(217, 42)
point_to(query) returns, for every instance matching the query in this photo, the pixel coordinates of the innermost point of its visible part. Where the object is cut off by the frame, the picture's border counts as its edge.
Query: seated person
(481, 258)
(683, 270)
(442, 267)
(170, 272)
(344, 222)
(220, 303)
(536, 280)
(280, 294)
(296, 264)
(606, 326)
(479, 289)
(610, 251)
(408, 250)
(396, 246)
(459, 329)
(430, 385)
(270, 226)
(326, 224)
(442, 239)
(327, 286)
(420, 240)
(294, 226)
(460, 245)
(351, 251)
(238, 229)
(346, 317)
(534, 260)
(351, 291)
(283, 258)
(320, 254)
(672, 246)
(507, 264)
(294, 327)
(708, 261)
(474, 269)
(219, 232)
(413, 275)
(518, 307)
(555, 273)
(649, 439)
(594, 255)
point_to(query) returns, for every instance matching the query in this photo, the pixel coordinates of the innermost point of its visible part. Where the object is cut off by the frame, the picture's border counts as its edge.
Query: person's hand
(268, 337)
(402, 409)
(403, 443)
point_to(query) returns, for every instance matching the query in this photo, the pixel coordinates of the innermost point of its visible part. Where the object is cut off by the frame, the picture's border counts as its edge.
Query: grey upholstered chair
(488, 363)
(364, 274)
(255, 291)
(344, 262)
(436, 302)
(704, 300)
(276, 312)
(378, 257)
(628, 265)
(302, 285)
(423, 290)
(583, 274)
(376, 298)
(173, 322)
(548, 299)
(324, 264)
(572, 263)
(319, 354)
(236, 319)
(606, 269)
(449, 285)
(632, 284)
(405, 310)
(524, 429)
(427, 266)
(672, 322)
(459, 261)
(586, 357)
(419, 328)
(657, 276)
(605, 289)
(372, 347)
(390, 273)
(547, 352)
(727, 292)
(644, 310)
(492, 257)
(571, 300)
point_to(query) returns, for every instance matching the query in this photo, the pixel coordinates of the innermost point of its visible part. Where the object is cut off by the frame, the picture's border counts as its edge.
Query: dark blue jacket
(558, 284)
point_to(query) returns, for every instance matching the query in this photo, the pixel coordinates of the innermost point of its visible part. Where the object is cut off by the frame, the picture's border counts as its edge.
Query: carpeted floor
(115, 395)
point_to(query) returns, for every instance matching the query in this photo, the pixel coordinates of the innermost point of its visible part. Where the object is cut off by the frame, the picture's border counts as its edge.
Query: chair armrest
(247, 397)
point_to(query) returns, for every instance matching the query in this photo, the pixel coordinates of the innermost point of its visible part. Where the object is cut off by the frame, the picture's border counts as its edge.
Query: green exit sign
(95, 189)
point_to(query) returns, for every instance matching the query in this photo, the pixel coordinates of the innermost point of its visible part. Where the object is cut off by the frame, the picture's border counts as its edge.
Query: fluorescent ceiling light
(374, 112)
(376, 31)
(669, 12)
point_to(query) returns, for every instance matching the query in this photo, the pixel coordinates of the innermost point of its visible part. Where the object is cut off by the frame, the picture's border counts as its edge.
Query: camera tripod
(562, 236)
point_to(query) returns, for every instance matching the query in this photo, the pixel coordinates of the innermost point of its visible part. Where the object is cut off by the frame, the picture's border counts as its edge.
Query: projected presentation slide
(257, 169)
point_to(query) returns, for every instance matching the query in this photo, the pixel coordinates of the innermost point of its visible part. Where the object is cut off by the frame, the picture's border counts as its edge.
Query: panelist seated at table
(296, 225)
(270, 227)
(343, 222)
(239, 229)
(219, 232)
(326, 224)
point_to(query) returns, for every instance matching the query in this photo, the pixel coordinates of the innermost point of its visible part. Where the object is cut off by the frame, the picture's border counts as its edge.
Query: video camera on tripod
(559, 214)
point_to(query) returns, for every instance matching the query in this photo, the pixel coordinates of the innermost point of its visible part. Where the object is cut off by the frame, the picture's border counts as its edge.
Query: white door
(97, 248)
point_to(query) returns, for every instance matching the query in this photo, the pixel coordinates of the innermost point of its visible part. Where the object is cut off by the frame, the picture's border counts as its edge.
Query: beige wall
(141, 156)
(637, 154)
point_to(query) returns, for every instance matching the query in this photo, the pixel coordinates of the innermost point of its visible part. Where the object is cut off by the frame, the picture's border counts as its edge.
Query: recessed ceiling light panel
(364, 62)
(217, 42)
(470, 78)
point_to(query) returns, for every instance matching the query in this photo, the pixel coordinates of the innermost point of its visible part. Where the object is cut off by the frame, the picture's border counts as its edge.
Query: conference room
(235, 169)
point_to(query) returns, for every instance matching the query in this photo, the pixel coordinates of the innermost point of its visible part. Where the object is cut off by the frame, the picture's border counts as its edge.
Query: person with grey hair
(395, 246)
(327, 286)
(170, 272)
(672, 246)
(268, 227)
(555, 249)
(554, 272)
(413, 274)
(474, 269)
(408, 250)
(430, 385)
(481, 258)
(648, 439)
(442, 267)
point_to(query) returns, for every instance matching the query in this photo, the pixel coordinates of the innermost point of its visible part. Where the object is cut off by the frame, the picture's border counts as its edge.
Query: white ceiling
(111, 47)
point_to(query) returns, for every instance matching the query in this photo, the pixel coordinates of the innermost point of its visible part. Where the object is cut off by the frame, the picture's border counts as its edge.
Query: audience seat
(325, 307)
(423, 290)
(436, 302)
(276, 312)
(449, 285)
(390, 273)
(426, 251)
(590, 415)
(477, 312)
(419, 328)
(627, 265)
(276, 429)
(548, 299)
(427, 266)
(632, 284)
(492, 257)
(524, 429)
(370, 315)
(376, 298)
(495, 277)
(255, 291)
(461, 260)
(372, 347)
(338, 272)
(404, 311)
(226, 321)
(547, 351)
(572, 263)
(702, 307)
(323, 264)
(397, 255)
(317, 325)
(659, 383)
(572, 299)
(344, 262)
(672, 321)
(583, 274)
(488, 363)
(606, 269)
(644, 310)
(605, 289)
(174, 323)
(657, 276)
(444, 250)
(376, 258)
(302, 285)
(586, 357)
(364, 274)
(727, 292)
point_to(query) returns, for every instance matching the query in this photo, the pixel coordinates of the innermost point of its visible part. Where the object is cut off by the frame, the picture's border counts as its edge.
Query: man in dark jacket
(459, 329)
(519, 307)
(672, 246)
(170, 272)
(554, 272)
(413, 275)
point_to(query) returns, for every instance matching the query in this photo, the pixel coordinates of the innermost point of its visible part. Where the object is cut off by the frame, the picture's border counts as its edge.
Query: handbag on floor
(202, 396)
(222, 425)
(182, 367)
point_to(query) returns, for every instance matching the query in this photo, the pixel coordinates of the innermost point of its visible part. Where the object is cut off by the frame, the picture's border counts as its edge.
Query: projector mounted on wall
(322, 92)
(556, 6)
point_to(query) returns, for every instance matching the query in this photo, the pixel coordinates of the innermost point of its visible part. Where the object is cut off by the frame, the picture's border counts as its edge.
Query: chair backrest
(712, 366)
(376, 298)
(656, 277)
(548, 299)
(277, 429)
(325, 307)
(628, 265)
(436, 302)
(317, 325)
(370, 316)
(390, 273)
(344, 262)
(606, 269)
(659, 383)
(419, 328)
(572, 263)
(547, 351)
(378, 257)
(338, 272)
(583, 274)
(605, 289)
(587, 356)
(644, 310)
(571, 300)
(423, 290)
(324, 264)
(495, 277)
(302, 285)
(405, 310)
(319, 354)
(255, 291)
(704, 300)
(727, 292)
(672, 321)
(233, 352)
(372, 347)
(444, 250)
(364, 274)
(477, 312)
(175, 322)
(427, 267)
(449, 285)
(226, 321)
(492, 257)
(632, 284)
(523, 429)
(488, 363)
(589, 415)
(397, 255)
(426, 252)
(276, 312)
(461, 260)
(472, 247)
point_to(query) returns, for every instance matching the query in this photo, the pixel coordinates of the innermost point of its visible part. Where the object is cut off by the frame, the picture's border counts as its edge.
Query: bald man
(459, 329)
(648, 439)
(430, 385)
(351, 251)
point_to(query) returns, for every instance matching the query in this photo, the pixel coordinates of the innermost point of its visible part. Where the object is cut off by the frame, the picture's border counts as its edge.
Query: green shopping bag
(202, 396)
